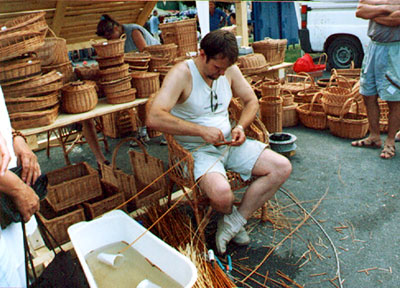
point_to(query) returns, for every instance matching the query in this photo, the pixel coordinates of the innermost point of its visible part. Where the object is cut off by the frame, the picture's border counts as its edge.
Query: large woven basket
(312, 115)
(298, 82)
(119, 97)
(163, 51)
(182, 33)
(110, 48)
(349, 125)
(272, 49)
(64, 68)
(117, 85)
(146, 83)
(271, 113)
(26, 104)
(72, 185)
(31, 21)
(334, 98)
(16, 69)
(252, 64)
(54, 51)
(79, 97)
(109, 62)
(33, 119)
(307, 95)
(114, 73)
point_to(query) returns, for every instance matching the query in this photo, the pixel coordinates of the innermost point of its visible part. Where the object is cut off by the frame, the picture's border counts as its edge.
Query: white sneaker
(242, 238)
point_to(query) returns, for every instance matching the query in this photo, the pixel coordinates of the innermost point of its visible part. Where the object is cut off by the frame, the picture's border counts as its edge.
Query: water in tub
(128, 271)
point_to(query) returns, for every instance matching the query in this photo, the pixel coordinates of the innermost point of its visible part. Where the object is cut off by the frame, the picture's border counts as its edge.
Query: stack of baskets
(271, 106)
(114, 77)
(79, 97)
(272, 49)
(137, 61)
(289, 112)
(161, 55)
(182, 33)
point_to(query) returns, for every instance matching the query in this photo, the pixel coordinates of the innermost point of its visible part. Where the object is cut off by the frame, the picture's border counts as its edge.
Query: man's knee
(284, 169)
(223, 199)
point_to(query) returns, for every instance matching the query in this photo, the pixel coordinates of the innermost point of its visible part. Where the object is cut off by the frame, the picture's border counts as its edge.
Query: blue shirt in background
(215, 19)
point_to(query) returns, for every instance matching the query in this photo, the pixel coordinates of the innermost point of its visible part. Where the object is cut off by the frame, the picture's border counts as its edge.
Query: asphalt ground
(358, 194)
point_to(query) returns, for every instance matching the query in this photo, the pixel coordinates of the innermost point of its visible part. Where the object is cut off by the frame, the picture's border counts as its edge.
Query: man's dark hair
(106, 25)
(220, 43)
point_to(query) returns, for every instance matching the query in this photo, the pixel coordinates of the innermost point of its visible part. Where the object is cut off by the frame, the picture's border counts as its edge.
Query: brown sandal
(388, 152)
(368, 143)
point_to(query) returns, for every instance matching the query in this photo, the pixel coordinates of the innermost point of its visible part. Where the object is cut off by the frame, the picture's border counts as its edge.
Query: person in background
(217, 17)
(13, 150)
(380, 75)
(192, 105)
(232, 19)
(154, 22)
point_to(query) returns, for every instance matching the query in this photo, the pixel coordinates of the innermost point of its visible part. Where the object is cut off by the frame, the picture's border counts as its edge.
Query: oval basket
(110, 48)
(54, 50)
(146, 83)
(27, 104)
(164, 50)
(33, 119)
(298, 82)
(312, 115)
(122, 96)
(31, 21)
(114, 73)
(333, 99)
(19, 68)
(79, 97)
(252, 63)
(307, 95)
(109, 62)
(137, 58)
(348, 124)
(117, 85)
(272, 49)
(33, 83)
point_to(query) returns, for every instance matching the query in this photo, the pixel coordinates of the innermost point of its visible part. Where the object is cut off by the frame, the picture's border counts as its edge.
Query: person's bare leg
(218, 190)
(374, 137)
(89, 131)
(394, 125)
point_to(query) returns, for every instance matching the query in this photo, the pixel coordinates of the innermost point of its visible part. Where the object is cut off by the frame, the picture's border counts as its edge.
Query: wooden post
(241, 22)
(144, 15)
(59, 16)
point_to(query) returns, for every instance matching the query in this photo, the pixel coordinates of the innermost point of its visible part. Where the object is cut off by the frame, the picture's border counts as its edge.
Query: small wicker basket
(117, 85)
(334, 98)
(110, 48)
(146, 83)
(271, 113)
(119, 97)
(287, 98)
(312, 115)
(109, 62)
(54, 51)
(270, 89)
(79, 97)
(114, 73)
(252, 64)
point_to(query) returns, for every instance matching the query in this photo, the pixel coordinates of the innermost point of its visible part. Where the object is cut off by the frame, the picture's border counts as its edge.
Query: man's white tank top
(197, 107)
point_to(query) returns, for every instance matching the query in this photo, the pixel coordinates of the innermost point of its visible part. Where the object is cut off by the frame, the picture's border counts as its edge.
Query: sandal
(368, 143)
(388, 152)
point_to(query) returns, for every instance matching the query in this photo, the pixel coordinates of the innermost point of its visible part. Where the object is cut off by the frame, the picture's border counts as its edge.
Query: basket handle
(348, 103)
(122, 37)
(116, 149)
(316, 97)
(324, 56)
(307, 77)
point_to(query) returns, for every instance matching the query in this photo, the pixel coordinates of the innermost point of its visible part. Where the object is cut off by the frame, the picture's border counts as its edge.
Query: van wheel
(342, 51)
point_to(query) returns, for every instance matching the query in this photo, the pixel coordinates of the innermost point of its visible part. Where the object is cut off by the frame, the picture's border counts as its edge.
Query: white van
(333, 28)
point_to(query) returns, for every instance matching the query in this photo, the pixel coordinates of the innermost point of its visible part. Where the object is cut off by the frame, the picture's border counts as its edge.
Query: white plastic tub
(118, 226)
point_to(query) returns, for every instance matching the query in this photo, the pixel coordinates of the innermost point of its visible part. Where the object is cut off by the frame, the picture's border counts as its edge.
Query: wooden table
(63, 120)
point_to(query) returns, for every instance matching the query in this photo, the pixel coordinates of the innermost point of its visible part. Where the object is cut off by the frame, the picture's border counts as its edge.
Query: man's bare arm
(391, 20)
(380, 2)
(368, 11)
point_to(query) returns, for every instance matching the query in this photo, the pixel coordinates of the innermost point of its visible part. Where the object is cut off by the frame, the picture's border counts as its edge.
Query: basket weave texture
(26, 104)
(54, 51)
(72, 185)
(31, 21)
(33, 119)
(119, 97)
(334, 98)
(19, 68)
(119, 124)
(312, 115)
(116, 86)
(182, 33)
(289, 115)
(271, 113)
(109, 62)
(110, 48)
(298, 82)
(146, 83)
(306, 96)
(252, 63)
(79, 96)
(163, 51)
(64, 68)
(114, 73)
(272, 49)
(270, 89)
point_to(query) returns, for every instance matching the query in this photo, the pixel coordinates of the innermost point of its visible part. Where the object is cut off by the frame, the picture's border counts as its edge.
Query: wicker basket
(312, 115)
(111, 174)
(79, 97)
(334, 98)
(287, 98)
(163, 70)
(110, 48)
(325, 82)
(298, 82)
(87, 72)
(18, 43)
(121, 96)
(119, 124)
(383, 115)
(72, 185)
(19, 68)
(64, 68)
(271, 113)
(289, 115)
(31, 21)
(156, 62)
(138, 59)
(163, 51)
(182, 33)
(109, 200)
(54, 51)
(272, 49)
(306, 96)
(349, 125)
(351, 73)
(252, 64)
(146, 169)
(117, 85)
(270, 89)
(146, 83)
(109, 62)
(114, 73)
(33, 119)
(26, 104)
(139, 68)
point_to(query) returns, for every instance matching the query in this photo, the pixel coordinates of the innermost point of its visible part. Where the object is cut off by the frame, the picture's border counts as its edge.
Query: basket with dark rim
(109, 62)
(110, 48)
(146, 83)
(79, 96)
(72, 185)
(252, 63)
(163, 51)
(27, 104)
(298, 82)
(272, 49)
(64, 68)
(348, 124)
(19, 68)
(182, 33)
(33, 119)
(31, 21)
(307, 95)
(54, 51)
(125, 96)
(18, 43)
(114, 73)
(312, 115)
(116, 85)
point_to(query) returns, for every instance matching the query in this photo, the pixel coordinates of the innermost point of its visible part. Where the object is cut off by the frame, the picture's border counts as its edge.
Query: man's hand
(212, 135)
(26, 201)
(238, 136)
(5, 156)
(28, 160)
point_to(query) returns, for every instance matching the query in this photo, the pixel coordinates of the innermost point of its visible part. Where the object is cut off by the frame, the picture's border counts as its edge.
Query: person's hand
(26, 201)
(28, 160)
(213, 135)
(238, 136)
(5, 156)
